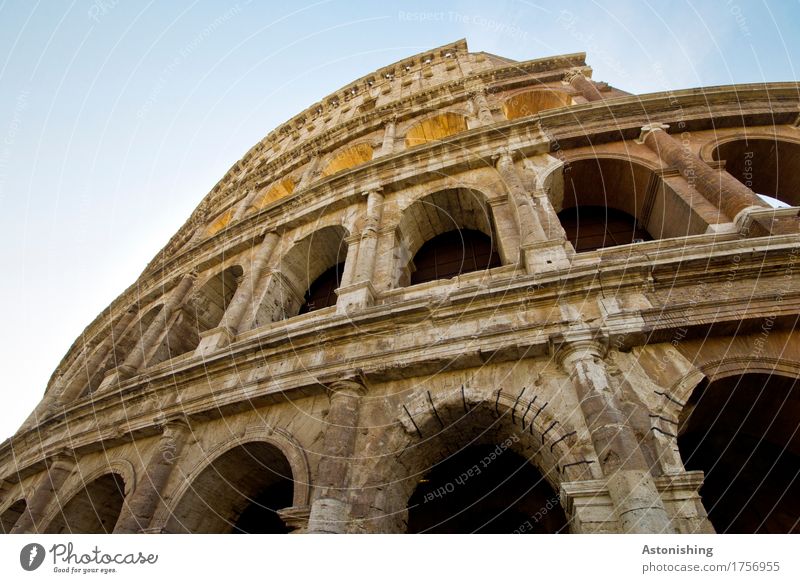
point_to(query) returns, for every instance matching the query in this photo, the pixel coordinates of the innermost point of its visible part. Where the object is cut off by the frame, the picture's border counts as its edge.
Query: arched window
(506, 496)
(768, 167)
(307, 276)
(203, 312)
(532, 102)
(608, 202)
(435, 128)
(240, 491)
(595, 227)
(10, 516)
(93, 510)
(348, 157)
(322, 293)
(278, 190)
(742, 431)
(445, 234)
(453, 253)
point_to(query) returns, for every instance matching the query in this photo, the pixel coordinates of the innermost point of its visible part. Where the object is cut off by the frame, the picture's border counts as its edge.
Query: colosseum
(461, 294)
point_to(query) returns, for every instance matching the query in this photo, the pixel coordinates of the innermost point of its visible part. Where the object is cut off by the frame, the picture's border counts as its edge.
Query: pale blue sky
(118, 116)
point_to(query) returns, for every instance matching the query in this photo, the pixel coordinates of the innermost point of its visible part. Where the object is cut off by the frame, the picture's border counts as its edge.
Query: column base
(114, 377)
(214, 339)
(355, 297)
(760, 221)
(544, 256)
(722, 229)
(591, 509)
(328, 516)
(296, 518)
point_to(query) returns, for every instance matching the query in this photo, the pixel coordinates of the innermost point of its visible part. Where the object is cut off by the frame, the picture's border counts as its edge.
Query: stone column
(728, 194)
(351, 260)
(244, 206)
(91, 367)
(360, 292)
(638, 505)
(389, 128)
(536, 253)
(242, 299)
(481, 105)
(331, 506)
(142, 503)
(148, 341)
(59, 467)
(576, 78)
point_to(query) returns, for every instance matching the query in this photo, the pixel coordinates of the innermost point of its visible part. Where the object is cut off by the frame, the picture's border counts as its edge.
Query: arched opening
(322, 293)
(615, 202)
(93, 510)
(278, 190)
(307, 277)
(532, 102)
(219, 223)
(467, 494)
(453, 253)
(203, 312)
(10, 516)
(595, 227)
(240, 491)
(123, 346)
(444, 234)
(768, 167)
(744, 433)
(435, 128)
(348, 157)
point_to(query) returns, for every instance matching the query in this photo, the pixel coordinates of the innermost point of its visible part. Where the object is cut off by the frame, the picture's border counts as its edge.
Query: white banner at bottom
(121, 558)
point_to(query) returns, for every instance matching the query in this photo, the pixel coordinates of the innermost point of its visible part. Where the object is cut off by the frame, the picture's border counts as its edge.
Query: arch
(743, 432)
(768, 166)
(590, 227)
(11, 514)
(127, 343)
(203, 312)
(239, 489)
(485, 489)
(640, 206)
(432, 428)
(436, 214)
(276, 191)
(289, 289)
(219, 223)
(434, 128)
(531, 102)
(93, 509)
(453, 253)
(348, 157)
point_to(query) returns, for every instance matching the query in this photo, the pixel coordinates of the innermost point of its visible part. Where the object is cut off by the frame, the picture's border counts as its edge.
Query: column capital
(377, 189)
(503, 156)
(570, 347)
(576, 72)
(351, 383)
(481, 91)
(649, 128)
(62, 457)
(295, 518)
(172, 422)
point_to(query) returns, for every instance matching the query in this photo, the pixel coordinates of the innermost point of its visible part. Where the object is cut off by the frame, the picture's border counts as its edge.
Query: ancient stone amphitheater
(461, 294)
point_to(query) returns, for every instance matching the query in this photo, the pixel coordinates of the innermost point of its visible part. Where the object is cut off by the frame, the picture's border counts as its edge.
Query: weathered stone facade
(597, 369)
